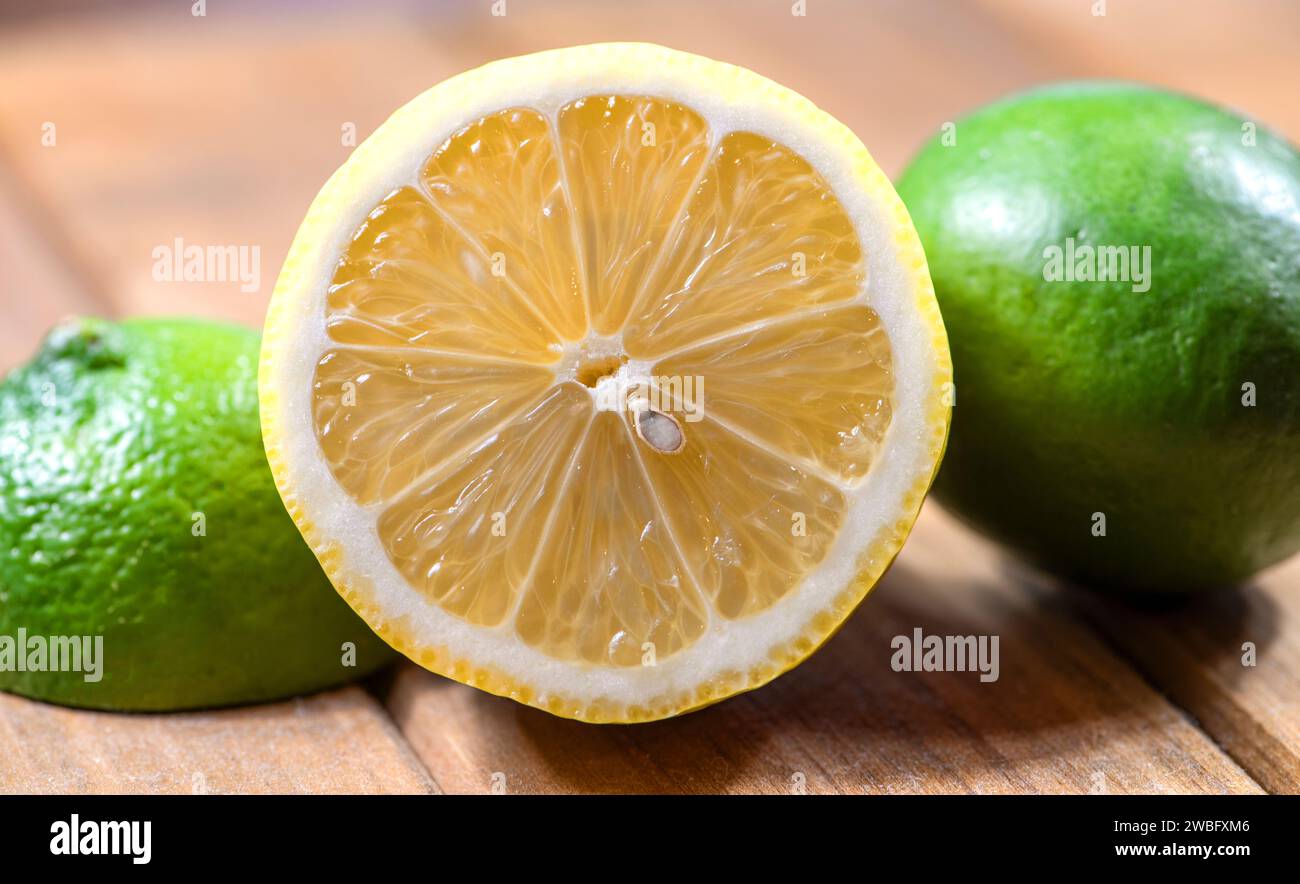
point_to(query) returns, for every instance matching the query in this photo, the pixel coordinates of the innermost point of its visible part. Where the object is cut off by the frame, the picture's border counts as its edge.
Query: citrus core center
(591, 369)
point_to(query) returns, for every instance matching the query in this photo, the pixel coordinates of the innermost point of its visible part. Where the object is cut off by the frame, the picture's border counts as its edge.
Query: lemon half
(609, 379)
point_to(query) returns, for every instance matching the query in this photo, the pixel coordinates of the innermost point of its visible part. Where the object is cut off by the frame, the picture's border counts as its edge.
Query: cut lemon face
(609, 379)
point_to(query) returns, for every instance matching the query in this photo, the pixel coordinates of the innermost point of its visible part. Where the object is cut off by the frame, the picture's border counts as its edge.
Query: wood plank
(216, 131)
(1196, 652)
(340, 741)
(1239, 54)
(38, 286)
(1065, 715)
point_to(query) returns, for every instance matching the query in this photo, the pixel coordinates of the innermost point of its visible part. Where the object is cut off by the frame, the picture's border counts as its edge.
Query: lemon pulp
(543, 258)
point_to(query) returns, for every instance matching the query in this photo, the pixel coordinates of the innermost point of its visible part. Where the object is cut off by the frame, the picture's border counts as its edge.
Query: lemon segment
(420, 410)
(751, 524)
(445, 532)
(763, 236)
(498, 182)
(410, 280)
(610, 584)
(627, 206)
(818, 388)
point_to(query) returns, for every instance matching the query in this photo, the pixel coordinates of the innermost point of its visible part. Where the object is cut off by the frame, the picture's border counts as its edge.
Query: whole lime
(146, 561)
(1119, 271)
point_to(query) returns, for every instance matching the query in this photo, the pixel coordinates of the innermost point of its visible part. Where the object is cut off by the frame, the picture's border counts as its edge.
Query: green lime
(144, 551)
(1119, 271)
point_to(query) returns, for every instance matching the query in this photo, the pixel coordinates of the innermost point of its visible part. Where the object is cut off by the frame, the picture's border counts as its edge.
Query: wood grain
(220, 130)
(1230, 660)
(1241, 55)
(39, 285)
(1065, 715)
(337, 742)
(213, 131)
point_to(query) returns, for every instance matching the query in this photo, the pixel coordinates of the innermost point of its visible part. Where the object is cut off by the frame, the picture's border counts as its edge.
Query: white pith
(393, 157)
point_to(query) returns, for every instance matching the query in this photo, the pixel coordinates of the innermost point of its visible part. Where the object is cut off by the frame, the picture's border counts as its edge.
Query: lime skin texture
(1173, 412)
(136, 504)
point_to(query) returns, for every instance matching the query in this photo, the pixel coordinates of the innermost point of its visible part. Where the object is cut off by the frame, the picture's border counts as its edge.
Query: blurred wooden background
(219, 129)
